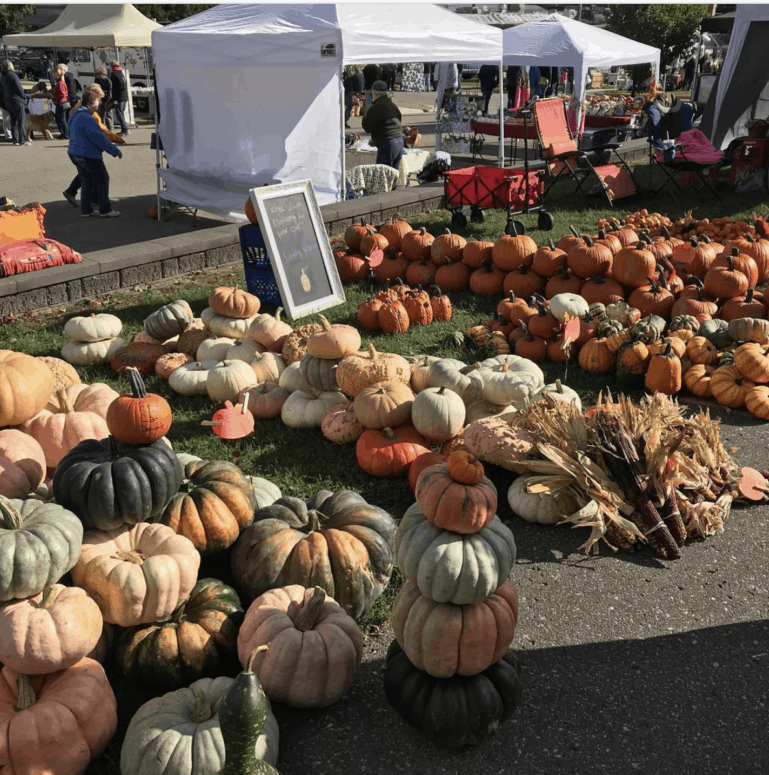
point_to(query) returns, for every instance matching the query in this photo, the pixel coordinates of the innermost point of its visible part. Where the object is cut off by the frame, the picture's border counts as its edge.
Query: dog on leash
(39, 123)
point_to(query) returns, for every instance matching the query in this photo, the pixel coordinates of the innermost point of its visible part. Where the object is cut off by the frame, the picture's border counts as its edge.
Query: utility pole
(579, 12)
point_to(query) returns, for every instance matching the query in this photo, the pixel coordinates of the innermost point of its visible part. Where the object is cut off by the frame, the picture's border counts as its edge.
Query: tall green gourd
(242, 714)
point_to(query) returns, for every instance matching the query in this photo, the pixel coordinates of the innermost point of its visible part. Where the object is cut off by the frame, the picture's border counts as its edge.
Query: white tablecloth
(413, 161)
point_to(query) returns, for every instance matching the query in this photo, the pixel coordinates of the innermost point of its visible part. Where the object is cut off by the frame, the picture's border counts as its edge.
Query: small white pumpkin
(305, 409)
(214, 349)
(190, 379)
(93, 328)
(185, 458)
(565, 306)
(244, 351)
(464, 380)
(268, 367)
(236, 328)
(480, 409)
(527, 370)
(91, 353)
(559, 392)
(266, 492)
(505, 387)
(227, 379)
(438, 413)
(293, 378)
(546, 509)
(420, 372)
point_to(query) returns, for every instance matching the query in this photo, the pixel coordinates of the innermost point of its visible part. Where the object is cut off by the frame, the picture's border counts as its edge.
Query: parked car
(32, 64)
(470, 70)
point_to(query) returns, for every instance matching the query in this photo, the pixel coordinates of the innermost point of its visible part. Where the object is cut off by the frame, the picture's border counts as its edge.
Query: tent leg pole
(501, 145)
(343, 181)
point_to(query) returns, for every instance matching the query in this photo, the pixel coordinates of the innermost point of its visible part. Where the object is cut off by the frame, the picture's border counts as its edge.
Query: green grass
(301, 462)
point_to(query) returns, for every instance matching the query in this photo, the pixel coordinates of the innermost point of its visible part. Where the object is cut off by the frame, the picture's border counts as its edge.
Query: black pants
(94, 179)
(61, 118)
(18, 121)
(487, 92)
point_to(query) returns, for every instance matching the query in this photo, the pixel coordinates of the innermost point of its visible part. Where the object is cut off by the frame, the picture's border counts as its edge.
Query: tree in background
(165, 14)
(11, 17)
(668, 27)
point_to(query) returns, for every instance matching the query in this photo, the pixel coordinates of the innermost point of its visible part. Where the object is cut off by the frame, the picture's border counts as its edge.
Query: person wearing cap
(383, 122)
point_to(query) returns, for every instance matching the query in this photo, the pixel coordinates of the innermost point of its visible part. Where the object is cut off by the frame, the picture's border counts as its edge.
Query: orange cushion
(22, 223)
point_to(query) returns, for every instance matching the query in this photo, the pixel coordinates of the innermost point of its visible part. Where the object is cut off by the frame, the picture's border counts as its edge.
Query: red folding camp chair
(563, 159)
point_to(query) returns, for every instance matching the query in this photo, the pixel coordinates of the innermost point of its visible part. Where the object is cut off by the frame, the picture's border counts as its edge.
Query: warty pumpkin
(214, 504)
(357, 371)
(295, 346)
(138, 417)
(452, 712)
(418, 308)
(393, 318)
(389, 452)
(138, 574)
(444, 639)
(49, 631)
(56, 723)
(166, 364)
(233, 302)
(383, 405)
(173, 725)
(108, 484)
(729, 386)
(493, 440)
(340, 425)
(199, 640)
(335, 541)
(314, 651)
(453, 505)
(64, 375)
(441, 304)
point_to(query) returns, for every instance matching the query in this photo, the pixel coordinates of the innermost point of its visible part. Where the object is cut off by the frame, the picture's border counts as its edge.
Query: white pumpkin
(293, 378)
(236, 328)
(91, 353)
(559, 392)
(420, 372)
(214, 349)
(227, 379)
(546, 509)
(527, 370)
(505, 387)
(305, 409)
(566, 306)
(268, 367)
(438, 413)
(266, 491)
(207, 315)
(190, 379)
(185, 458)
(480, 409)
(93, 328)
(244, 351)
(464, 380)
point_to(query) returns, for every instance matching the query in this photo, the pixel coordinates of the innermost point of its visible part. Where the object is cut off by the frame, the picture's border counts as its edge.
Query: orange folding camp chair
(563, 159)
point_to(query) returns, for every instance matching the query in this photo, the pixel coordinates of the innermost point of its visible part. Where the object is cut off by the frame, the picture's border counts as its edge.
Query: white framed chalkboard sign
(298, 246)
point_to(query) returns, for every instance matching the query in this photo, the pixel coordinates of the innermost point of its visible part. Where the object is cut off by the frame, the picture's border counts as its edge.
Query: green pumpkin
(39, 543)
(242, 714)
(453, 341)
(717, 332)
(109, 484)
(609, 327)
(199, 640)
(598, 311)
(652, 327)
(168, 321)
(687, 322)
(320, 372)
(453, 712)
(335, 541)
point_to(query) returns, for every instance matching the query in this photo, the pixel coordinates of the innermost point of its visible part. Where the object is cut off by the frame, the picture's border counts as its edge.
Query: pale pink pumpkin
(55, 724)
(340, 425)
(87, 398)
(61, 431)
(22, 464)
(50, 631)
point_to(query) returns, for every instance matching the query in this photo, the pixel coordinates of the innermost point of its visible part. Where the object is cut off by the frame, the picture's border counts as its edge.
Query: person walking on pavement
(86, 146)
(119, 95)
(15, 101)
(106, 105)
(488, 76)
(60, 102)
(383, 122)
(5, 117)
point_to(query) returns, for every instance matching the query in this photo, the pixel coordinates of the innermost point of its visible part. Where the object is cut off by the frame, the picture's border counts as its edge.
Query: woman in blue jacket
(86, 145)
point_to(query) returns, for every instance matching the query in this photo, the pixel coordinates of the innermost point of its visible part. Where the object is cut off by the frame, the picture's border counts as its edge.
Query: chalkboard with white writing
(298, 247)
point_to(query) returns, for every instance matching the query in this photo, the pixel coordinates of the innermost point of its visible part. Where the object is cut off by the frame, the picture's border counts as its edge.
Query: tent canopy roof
(362, 33)
(91, 26)
(556, 40)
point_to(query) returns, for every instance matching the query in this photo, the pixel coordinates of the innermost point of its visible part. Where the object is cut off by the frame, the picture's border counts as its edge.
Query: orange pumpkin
(515, 309)
(529, 346)
(742, 263)
(476, 252)
(589, 259)
(633, 265)
(420, 464)
(393, 266)
(548, 260)
(355, 233)
(393, 318)
(464, 467)
(233, 302)
(138, 417)
(389, 452)
(418, 308)
(523, 282)
(697, 380)
(487, 281)
(417, 244)
(368, 314)
(729, 386)
(26, 385)
(421, 272)
(700, 350)
(447, 246)
(652, 299)
(752, 361)
(569, 241)
(664, 372)
(394, 231)
(372, 241)
(510, 252)
(600, 290)
(757, 401)
(596, 357)
(751, 305)
(453, 275)
(726, 281)
(141, 356)
(352, 266)
(441, 304)
(563, 282)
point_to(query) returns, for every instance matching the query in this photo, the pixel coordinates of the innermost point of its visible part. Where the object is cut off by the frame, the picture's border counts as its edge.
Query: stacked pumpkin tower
(450, 671)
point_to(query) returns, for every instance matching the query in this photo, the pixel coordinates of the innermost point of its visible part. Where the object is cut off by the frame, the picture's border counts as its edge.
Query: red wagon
(482, 188)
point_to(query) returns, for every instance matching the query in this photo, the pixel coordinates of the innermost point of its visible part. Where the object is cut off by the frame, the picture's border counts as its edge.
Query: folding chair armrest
(564, 155)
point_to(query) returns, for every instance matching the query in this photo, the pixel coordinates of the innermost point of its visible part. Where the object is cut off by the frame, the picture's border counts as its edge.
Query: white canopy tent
(252, 94)
(558, 41)
(91, 26)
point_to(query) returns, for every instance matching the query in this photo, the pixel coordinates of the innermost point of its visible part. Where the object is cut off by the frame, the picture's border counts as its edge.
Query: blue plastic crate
(260, 279)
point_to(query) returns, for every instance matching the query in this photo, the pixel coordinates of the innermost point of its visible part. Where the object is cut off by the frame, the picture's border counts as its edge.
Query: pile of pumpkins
(454, 618)
(398, 307)
(722, 229)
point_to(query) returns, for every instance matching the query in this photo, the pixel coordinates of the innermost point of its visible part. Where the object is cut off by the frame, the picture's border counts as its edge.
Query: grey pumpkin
(168, 321)
(320, 372)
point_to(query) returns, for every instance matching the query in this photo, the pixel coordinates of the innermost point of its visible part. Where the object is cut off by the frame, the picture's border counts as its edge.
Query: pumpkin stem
(113, 450)
(313, 521)
(64, 402)
(575, 232)
(254, 654)
(201, 710)
(551, 244)
(311, 610)
(138, 390)
(323, 321)
(558, 386)
(25, 694)
(749, 295)
(129, 555)
(389, 434)
(46, 601)
(10, 518)
(280, 309)
(588, 241)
